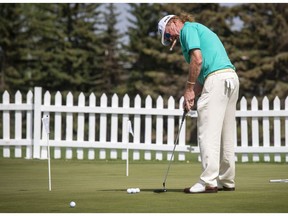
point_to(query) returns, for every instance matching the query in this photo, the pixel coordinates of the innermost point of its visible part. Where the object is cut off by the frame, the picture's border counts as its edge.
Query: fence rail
(84, 128)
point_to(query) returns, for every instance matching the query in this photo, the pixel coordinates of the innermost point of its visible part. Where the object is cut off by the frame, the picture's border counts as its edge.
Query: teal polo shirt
(194, 35)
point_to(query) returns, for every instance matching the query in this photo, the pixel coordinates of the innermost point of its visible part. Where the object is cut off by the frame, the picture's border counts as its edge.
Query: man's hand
(189, 97)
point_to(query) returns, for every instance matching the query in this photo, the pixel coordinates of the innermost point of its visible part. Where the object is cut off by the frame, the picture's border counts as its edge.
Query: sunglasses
(167, 36)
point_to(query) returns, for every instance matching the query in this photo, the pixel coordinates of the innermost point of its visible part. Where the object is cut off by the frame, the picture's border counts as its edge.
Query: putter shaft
(176, 141)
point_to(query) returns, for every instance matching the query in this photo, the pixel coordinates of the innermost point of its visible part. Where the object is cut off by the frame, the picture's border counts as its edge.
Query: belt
(227, 70)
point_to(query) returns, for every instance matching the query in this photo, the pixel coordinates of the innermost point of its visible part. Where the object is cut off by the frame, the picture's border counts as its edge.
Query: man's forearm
(194, 66)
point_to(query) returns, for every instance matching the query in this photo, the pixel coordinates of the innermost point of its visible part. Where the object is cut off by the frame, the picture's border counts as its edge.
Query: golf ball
(72, 204)
(133, 190)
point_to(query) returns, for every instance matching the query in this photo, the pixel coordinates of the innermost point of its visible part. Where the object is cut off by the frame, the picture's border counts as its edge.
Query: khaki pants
(216, 128)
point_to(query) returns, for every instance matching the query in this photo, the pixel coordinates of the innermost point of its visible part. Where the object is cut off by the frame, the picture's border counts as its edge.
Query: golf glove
(229, 84)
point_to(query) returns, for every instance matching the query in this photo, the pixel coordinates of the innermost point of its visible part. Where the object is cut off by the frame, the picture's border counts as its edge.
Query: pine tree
(50, 45)
(155, 71)
(112, 70)
(13, 43)
(261, 49)
(80, 46)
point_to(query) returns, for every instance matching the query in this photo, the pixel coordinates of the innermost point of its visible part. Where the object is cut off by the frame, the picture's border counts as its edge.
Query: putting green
(100, 187)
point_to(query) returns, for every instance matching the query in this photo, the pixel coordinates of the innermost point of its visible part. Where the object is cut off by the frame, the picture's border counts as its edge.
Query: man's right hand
(189, 98)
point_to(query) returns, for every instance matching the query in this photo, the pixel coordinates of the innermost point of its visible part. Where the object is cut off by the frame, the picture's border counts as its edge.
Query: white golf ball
(72, 204)
(137, 190)
(129, 190)
(133, 190)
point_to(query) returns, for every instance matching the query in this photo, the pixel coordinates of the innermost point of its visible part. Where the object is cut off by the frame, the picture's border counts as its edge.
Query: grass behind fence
(99, 186)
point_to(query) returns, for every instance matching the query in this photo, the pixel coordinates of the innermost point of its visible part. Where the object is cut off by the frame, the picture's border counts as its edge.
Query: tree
(50, 45)
(112, 57)
(155, 71)
(261, 49)
(79, 47)
(13, 43)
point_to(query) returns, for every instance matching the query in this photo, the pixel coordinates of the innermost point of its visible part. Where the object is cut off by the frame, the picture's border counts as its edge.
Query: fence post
(37, 122)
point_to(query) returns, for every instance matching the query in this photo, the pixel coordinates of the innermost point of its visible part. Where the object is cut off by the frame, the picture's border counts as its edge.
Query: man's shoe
(226, 189)
(200, 188)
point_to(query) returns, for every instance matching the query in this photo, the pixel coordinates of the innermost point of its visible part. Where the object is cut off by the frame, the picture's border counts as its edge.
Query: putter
(176, 141)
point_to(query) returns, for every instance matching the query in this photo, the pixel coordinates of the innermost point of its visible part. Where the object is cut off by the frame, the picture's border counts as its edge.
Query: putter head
(160, 190)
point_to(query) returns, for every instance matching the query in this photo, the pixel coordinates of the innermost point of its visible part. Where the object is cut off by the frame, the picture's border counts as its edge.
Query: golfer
(213, 77)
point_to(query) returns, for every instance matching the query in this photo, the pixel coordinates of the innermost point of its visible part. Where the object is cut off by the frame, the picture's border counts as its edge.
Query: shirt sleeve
(191, 38)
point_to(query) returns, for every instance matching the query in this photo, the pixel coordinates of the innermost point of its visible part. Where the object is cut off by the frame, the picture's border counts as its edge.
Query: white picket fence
(98, 129)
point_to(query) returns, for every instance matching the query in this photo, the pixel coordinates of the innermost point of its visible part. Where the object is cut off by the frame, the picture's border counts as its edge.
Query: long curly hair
(185, 17)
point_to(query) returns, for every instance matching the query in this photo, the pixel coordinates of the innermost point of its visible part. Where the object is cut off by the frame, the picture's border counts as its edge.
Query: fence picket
(286, 127)
(18, 125)
(92, 128)
(80, 126)
(6, 125)
(255, 129)
(114, 126)
(103, 126)
(57, 125)
(29, 125)
(125, 118)
(170, 127)
(148, 128)
(236, 140)
(159, 128)
(266, 128)
(69, 125)
(244, 129)
(182, 135)
(137, 127)
(277, 129)
(44, 148)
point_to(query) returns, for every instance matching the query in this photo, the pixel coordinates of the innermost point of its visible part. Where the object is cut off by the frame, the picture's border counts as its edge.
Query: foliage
(261, 49)
(76, 47)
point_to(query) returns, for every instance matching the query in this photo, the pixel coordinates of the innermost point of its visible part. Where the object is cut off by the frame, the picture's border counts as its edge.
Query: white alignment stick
(279, 181)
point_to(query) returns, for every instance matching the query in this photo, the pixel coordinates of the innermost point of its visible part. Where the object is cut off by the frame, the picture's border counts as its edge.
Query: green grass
(100, 187)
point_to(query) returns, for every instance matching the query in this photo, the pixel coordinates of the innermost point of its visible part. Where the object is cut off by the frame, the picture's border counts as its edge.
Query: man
(213, 77)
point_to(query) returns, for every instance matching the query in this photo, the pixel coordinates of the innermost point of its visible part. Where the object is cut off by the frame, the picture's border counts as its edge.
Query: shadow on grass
(154, 190)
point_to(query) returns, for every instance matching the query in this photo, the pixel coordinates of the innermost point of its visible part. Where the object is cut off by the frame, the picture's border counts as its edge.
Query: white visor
(161, 29)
